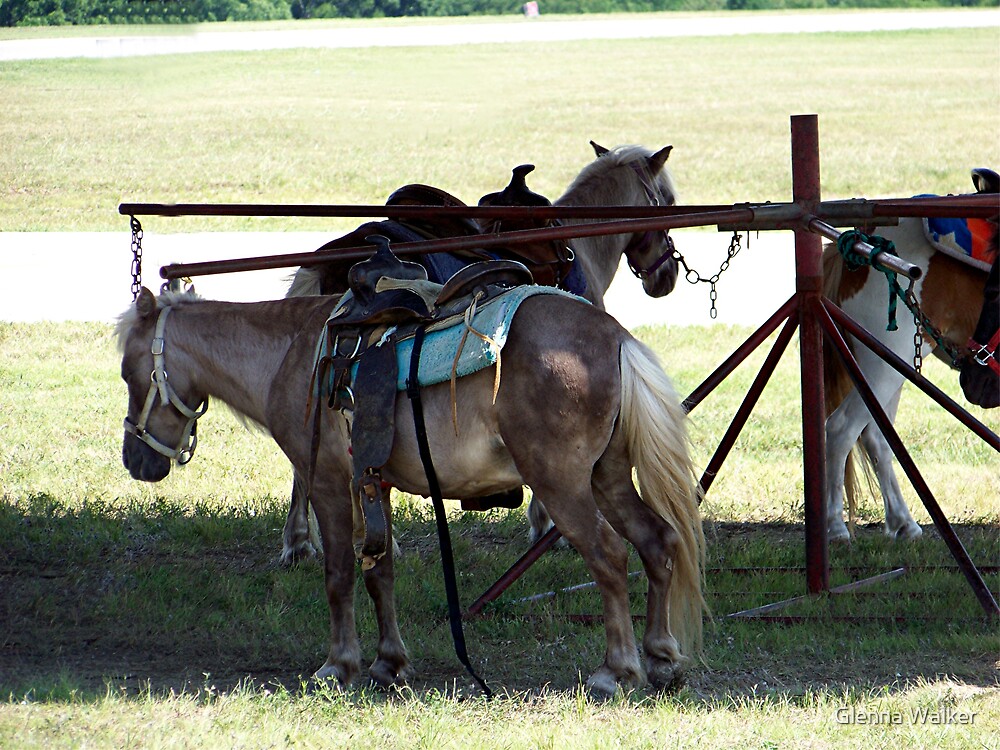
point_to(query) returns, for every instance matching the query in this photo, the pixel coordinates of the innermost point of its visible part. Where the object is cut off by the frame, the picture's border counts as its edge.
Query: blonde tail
(655, 428)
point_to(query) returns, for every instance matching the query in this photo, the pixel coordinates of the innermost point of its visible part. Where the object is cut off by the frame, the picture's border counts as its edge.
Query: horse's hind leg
(656, 542)
(575, 513)
(899, 523)
(298, 539)
(392, 665)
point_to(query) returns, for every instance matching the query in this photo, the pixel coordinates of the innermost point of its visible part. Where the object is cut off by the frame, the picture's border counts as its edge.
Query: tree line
(80, 12)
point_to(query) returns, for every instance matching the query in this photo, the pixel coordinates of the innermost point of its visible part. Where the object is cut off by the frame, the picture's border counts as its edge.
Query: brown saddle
(550, 261)
(389, 300)
(438, 226)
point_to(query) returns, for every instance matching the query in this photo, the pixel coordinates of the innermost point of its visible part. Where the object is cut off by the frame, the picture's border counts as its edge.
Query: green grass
(156, 615)
(350, 126)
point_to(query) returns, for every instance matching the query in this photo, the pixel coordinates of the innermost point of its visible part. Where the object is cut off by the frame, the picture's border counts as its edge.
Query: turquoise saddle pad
(437, 356)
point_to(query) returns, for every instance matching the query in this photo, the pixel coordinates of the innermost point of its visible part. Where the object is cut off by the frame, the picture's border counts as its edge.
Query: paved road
(30, 290)
(517, 30)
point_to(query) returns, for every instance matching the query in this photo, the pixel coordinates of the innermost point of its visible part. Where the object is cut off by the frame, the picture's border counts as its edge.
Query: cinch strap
(444, 539)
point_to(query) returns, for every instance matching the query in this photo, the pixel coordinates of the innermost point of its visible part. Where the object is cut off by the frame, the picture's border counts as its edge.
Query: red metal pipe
(735, 359)
(982, 206)
(886, 260)
(941, 522)
(317, 210)
(515, 571)
(743, 413)
(625, 226)
(809, 286)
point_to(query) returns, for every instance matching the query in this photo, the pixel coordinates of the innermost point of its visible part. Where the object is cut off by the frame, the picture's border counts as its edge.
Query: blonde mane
(127, 320)
(594, 186)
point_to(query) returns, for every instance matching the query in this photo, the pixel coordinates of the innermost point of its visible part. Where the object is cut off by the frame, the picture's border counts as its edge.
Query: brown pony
(580, 404)
(622, 176)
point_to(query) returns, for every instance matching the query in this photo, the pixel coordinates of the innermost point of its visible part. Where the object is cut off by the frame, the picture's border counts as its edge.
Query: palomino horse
(949, 295)
(623, 176)
(580, 403)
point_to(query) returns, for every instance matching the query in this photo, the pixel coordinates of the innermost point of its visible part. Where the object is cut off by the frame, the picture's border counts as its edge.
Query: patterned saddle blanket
(967, 240)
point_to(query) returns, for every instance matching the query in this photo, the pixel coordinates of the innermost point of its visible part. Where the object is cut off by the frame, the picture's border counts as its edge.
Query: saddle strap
(444, 539)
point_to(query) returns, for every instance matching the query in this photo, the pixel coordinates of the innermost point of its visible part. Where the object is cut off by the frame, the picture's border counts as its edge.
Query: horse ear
(145, 305)
(657, 160)
(598, 149)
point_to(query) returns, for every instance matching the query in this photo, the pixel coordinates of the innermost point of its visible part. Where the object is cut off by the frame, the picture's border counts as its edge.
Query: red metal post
(808, 289)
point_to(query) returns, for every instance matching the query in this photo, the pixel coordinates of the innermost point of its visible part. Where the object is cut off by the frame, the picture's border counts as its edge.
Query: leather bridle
(641, 242)
(159, 385)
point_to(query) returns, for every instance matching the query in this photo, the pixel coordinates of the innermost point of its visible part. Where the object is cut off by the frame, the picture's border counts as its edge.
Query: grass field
(350, 126)
(134, 615)
(156, 616)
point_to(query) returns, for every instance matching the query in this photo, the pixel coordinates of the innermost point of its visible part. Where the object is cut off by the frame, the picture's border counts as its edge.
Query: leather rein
(159, 385)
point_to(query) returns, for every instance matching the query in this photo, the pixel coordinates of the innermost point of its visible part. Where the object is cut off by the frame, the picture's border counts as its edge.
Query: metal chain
(924, 325)
(693, 277)
(136, 257)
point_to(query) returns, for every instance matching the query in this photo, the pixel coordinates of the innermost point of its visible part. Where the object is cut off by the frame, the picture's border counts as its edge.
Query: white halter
(158, 384)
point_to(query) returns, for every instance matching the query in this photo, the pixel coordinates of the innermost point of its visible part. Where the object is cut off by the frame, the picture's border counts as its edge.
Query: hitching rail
(807, 216)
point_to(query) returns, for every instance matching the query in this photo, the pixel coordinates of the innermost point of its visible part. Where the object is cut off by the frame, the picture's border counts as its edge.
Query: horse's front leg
(298, 543)
(392, 665)
(331, 501)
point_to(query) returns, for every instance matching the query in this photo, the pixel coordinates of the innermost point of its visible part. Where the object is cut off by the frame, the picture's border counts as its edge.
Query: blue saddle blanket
(441, 344)
(967, 240)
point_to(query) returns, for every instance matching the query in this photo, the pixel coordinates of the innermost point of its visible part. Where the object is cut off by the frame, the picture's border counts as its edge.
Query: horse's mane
(127, 320)
(593, 178)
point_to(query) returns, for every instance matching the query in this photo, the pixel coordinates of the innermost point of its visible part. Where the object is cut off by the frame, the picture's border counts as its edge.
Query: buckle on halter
(982, 355)
(156, 347)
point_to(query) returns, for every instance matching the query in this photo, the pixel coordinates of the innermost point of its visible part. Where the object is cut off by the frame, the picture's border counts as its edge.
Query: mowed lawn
(900, 113)
(156, 617)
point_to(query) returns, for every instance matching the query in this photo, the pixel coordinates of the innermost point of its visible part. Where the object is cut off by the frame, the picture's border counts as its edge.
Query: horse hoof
(907, 533)
(328, 684)
(838, 535)
(385, 675)
(300, 553)
(665, 676)
(334, 677)
(601, 686)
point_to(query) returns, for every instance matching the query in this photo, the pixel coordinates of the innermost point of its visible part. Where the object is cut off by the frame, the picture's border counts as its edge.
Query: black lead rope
(444, 539)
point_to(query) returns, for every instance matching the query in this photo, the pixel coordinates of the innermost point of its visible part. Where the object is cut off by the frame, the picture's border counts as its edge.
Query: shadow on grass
(164, 598)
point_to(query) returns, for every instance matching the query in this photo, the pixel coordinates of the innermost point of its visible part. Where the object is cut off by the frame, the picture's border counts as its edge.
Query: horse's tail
(654, 425)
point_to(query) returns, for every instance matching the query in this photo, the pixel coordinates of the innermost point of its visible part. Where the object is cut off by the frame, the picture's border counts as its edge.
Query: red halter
(986, 354)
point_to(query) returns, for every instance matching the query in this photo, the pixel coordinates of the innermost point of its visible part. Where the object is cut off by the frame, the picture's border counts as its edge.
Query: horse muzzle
(142, 462)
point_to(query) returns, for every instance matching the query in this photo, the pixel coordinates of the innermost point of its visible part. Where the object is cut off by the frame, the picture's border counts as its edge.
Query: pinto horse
(949, 294)
(581, 402)
(628, 175)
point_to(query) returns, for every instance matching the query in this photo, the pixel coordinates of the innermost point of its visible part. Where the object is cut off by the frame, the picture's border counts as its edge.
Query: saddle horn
(517, 192)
